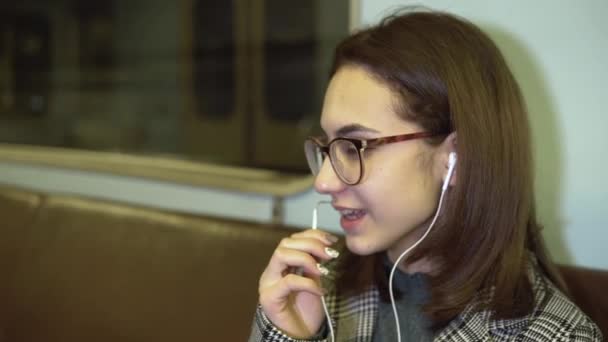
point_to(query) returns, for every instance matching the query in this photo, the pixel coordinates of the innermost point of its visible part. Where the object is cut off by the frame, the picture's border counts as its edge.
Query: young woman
(422, 100)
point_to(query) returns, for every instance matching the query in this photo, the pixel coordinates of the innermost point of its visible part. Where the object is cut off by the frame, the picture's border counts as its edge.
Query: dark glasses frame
(363, 144)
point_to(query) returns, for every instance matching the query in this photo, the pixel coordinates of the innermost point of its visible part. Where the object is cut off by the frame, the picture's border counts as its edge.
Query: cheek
(389, 186)
(400, 193)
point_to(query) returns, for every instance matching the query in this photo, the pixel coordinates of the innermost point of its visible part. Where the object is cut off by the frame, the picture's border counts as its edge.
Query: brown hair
(450, 76)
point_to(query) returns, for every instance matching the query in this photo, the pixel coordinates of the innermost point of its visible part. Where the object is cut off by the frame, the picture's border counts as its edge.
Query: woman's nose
(327, 181)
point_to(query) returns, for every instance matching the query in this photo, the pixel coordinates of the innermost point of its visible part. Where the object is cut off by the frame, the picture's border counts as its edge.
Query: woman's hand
(290, 290)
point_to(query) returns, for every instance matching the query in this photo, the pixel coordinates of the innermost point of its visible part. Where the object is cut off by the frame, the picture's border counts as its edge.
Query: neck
(423, 265)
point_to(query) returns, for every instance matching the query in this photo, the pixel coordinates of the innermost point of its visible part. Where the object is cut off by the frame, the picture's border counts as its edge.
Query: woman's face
(400, 187)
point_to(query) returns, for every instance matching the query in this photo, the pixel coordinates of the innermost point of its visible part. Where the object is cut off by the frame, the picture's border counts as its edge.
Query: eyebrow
(354, 128)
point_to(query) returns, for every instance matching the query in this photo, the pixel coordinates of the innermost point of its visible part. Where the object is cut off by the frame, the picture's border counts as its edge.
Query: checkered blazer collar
(355, 316)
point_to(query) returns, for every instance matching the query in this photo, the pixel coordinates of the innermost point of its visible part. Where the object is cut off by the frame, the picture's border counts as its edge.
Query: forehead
(355, 97)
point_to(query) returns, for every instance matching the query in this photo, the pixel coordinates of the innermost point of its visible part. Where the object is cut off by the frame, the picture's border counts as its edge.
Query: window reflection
(290, 44)
(233, 82)
(213, 58)
(31, 62)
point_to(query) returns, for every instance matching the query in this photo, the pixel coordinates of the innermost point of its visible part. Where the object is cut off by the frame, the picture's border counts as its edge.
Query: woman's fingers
(293, 304)
(322, 236)
(284, 259)
(302, 251)
(289, 284)
(310, 245)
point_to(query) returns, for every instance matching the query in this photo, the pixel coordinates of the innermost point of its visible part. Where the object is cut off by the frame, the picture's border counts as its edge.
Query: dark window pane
(289, 51)
(213, 58)
(31, 62)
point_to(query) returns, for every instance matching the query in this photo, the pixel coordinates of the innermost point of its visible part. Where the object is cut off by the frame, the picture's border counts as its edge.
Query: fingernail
(324, 271)
(331, 238)
(332, 252)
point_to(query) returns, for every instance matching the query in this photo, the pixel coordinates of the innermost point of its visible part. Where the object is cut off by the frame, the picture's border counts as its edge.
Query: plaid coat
(554, 318)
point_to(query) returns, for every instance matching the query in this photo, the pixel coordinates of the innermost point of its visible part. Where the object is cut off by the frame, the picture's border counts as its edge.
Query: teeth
(351, 213)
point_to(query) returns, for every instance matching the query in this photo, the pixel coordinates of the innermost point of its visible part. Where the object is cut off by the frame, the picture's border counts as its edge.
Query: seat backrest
(96, 271)
(17, 211)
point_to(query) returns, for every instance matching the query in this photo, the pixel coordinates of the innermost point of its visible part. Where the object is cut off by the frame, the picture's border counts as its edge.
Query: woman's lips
(351, 219)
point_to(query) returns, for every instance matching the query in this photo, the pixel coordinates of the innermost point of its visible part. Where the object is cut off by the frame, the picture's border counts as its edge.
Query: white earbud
(451, 166)
(452, 159)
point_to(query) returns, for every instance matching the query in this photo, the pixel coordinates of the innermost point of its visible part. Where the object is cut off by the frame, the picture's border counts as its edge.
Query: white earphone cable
(314, 226)
(444, 187)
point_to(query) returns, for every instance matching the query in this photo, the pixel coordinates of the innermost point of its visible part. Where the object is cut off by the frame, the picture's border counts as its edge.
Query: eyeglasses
(345, 154)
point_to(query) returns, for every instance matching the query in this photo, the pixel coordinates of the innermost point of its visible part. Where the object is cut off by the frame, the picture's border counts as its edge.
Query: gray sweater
(414, 325)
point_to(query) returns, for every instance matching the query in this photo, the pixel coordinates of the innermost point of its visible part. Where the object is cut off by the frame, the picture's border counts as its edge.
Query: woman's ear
(447, 148)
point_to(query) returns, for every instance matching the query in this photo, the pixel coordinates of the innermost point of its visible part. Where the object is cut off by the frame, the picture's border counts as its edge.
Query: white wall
(556, 49)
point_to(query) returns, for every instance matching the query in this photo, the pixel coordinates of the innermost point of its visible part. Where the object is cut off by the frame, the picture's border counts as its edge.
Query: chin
(360, 246)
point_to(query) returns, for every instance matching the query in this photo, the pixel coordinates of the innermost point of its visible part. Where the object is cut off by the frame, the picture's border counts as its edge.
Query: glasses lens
(345, 159)
(314, 156)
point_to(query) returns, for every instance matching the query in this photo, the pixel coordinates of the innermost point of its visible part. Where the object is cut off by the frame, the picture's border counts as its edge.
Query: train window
(236, 83)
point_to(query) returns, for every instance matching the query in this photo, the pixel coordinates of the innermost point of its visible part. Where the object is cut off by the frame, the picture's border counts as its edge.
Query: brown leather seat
(87, 270)
(18, 211)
